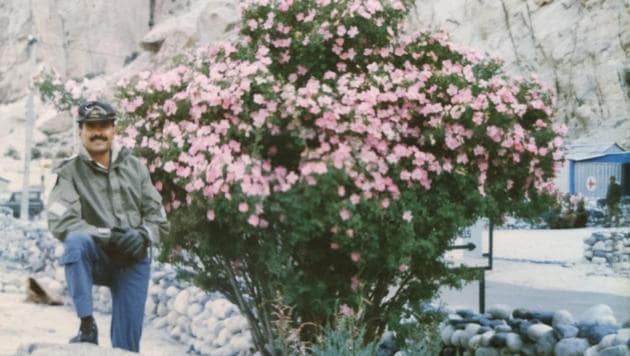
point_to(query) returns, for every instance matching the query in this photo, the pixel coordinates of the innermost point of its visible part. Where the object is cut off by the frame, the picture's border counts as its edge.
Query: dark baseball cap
(96, 111)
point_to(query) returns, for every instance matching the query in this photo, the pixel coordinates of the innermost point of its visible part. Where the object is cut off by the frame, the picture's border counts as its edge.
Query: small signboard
(469, 248)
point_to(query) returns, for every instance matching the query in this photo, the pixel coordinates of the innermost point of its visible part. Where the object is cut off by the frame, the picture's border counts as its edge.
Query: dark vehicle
(35, 206)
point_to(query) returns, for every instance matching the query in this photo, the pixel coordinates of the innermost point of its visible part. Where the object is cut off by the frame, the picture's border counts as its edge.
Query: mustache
(94, 138)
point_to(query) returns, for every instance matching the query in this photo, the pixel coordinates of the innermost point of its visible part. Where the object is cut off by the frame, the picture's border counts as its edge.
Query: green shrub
(11, 152)
(328, 158)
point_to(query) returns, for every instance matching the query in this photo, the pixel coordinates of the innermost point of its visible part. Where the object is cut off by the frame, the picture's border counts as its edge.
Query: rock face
(88, 38)
(581, 48)
(93, 38)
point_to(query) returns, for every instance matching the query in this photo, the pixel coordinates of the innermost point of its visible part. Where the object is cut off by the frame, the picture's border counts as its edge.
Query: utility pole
(28, 133)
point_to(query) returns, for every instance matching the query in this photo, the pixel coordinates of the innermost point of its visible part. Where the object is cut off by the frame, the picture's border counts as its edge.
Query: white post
(28, 133)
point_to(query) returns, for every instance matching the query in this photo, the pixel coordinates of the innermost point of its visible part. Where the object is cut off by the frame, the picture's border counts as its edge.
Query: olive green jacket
(90, 198)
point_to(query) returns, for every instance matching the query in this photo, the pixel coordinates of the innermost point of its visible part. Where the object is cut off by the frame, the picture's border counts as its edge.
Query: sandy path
(24, 322)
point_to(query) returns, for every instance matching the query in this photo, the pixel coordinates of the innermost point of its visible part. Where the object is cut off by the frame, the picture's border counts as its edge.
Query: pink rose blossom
(344, 214)
(253, 220)
(407, 216)
(355, 256)
(355, 282)
(385, 203)
(345, 310)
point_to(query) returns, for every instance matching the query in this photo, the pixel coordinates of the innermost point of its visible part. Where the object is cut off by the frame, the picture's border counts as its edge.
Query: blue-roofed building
(591, 166)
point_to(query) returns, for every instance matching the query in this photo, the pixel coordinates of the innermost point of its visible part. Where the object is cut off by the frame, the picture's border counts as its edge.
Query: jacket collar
(117, 155)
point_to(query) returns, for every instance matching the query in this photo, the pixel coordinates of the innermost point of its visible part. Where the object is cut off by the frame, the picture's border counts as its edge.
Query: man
(107, 213)
(613, 196)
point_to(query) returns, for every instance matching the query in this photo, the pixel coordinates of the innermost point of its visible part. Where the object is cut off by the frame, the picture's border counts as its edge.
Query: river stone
(149, 308)
(470, 331)
(456, 337)
(503, 328)
(623, 335)
(487, 351)
(193, 310)
(619, 350)
(171, 291)
(466, 313)
(474, 342)
(562, 317)
(537, 331)
(545, 344)
(196, 329)
(182, 301)
(162, 309)
(608, 341)
(597, 314)
(184, 322)
(571, 347)
(455, 319)
(486, 337)
(528, 349)
(523, 326)
(595, 333)
(499, 340)
(446, 333)
(222, 308)
(172, 317)
(159, 323)
(542, 316)
(240, 343)
(500, 311)
(514, 342)
(592, 351)
(565, 331)
(223, 338)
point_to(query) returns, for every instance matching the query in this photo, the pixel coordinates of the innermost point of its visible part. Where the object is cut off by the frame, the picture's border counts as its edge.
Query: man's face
(97, 136)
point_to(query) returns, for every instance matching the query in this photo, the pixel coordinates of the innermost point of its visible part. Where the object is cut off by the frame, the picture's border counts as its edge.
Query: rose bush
(329, 157)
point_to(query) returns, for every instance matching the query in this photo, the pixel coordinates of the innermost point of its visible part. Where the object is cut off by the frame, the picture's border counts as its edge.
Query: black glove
(131, 243)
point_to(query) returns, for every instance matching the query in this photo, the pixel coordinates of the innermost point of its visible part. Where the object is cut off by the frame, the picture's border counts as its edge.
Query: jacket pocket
(134, 218)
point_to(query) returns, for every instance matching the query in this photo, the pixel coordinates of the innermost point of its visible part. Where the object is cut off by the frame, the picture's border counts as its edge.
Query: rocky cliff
(580, 47)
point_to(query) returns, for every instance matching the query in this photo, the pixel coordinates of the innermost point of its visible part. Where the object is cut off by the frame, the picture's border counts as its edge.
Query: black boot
(88, 332)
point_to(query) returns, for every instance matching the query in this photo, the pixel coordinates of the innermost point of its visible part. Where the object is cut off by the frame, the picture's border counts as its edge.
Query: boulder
(565, 331)
(597, 314)
(500, 311)
(562, 317)
(619, 350)
(571, 347)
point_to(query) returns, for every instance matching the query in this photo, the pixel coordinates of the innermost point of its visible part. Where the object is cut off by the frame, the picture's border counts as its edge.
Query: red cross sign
(591, 183)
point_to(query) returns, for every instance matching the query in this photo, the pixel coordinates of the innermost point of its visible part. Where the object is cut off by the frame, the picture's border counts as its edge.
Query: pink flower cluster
(407, 117)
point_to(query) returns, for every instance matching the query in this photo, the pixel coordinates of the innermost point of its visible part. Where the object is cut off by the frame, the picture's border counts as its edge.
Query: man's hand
(130, 242)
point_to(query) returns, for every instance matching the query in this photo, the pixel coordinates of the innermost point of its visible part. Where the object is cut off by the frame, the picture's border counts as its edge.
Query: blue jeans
(86, 264)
